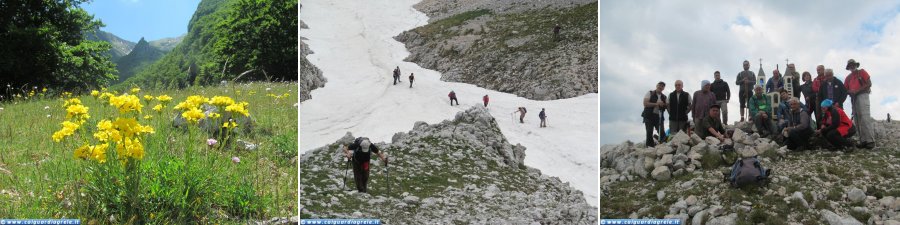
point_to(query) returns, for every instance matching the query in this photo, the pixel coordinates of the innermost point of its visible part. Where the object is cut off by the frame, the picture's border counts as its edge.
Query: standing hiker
(703, 99)
(396, 75)
(411, 78)
(452, 96)
(654, 107)
(836, 127)
(723, 94)
(521, 112)
(817, 82)
(806, 89)
(832, 88)
(859, 85)
(745, 80)
(556, 30)
(485, 99)
(679, 107)
(774, 82)
(543, 117)
(361, 154)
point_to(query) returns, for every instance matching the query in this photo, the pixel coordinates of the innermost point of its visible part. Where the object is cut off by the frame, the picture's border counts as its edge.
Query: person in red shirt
(836, 127)
(486, 100)
(859, 85)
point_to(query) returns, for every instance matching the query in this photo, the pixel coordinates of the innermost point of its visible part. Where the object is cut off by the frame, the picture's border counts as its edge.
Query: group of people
(774, 107)
(412, 77)
(521, 110)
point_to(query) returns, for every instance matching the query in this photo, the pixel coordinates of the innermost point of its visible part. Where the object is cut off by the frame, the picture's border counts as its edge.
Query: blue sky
(151, 19)
(642, 42)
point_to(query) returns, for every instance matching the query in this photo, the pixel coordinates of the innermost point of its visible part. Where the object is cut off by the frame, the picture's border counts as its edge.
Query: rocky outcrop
(310, 77)
(815, 186)
(509, 46)
(461, 171)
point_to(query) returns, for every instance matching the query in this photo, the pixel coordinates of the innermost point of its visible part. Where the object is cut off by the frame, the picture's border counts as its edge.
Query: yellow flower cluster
(164, 98)
(221, 101)
(94, 152)
(68, 128)
(238, 108)
(193, 115)
(126, 103)
(78, 112)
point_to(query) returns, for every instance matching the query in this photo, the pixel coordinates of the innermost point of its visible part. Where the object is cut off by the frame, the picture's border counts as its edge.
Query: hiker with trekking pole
(360, 153)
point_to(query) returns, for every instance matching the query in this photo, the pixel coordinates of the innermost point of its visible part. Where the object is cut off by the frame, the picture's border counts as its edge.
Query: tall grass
(180, 179)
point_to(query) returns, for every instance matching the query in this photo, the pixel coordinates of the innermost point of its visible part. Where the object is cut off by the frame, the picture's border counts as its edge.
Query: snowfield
(353, 45)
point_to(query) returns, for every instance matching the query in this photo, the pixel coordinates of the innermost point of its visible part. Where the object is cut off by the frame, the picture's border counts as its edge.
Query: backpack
(358, 142)
(523, 110)
(748, 171)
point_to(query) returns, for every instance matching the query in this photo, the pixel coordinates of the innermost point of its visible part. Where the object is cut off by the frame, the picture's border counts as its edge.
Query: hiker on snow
(797, 130)
(759, 110)
(452, 96)
(679, 107)
(836, 127)
(411, 78)
(723, 94)
(859, 85)
(543, 117)
(654, 107)
(711, 126)
(396, 75)
(745, 80)
(361, 154)
(485, 99)
(521, 112)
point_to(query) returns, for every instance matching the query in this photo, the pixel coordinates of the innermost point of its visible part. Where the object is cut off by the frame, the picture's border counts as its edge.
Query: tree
(43, 45)
(260, 35)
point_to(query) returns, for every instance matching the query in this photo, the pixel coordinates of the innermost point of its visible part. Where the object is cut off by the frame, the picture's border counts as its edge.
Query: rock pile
(310, 77)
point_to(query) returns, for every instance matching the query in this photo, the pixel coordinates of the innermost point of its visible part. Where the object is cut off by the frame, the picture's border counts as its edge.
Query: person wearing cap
(832, 88)
(817, 82)
(797, 131)
(711, 126)
(745, 80)
(836, 127)
(361, 154)
(703, 98)
(759, 110)
(859, 85)
(723, 94)
(774, 82)
(654, 107)
(679, 107)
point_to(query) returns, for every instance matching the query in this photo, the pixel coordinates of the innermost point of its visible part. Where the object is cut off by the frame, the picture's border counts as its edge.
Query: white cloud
(641, 44)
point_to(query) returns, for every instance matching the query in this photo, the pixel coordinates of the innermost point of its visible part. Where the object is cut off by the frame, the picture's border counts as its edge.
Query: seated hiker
(747, 171)
(711, 125)
(759, 108)
(797, 128)
(361, 154)
(836, 127)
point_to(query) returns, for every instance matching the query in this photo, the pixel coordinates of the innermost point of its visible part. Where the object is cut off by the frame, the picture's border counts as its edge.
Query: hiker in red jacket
(485, 99)
(836, 127)
(452, 96)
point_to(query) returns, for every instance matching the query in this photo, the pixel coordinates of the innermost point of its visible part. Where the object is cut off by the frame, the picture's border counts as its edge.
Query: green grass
(180, 179)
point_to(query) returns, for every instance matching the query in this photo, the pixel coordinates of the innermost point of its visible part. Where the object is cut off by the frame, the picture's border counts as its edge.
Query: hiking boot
(866, 145)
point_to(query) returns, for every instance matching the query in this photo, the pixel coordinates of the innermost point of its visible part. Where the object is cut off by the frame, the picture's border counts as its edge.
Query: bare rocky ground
(460, 171)
(509, 45)
(683, 179)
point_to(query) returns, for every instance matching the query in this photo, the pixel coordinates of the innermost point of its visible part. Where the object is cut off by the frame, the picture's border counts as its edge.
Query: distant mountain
(142, 55)
(120, 47)
(167, 44)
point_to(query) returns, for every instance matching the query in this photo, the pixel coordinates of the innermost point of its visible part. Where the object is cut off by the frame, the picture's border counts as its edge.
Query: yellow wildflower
(83, 152)
(193, 115)
(44, 89)
(95, 93)
(68, 128)
(158, 107)
(164, 98)
(229, 125)
(239, 108)
(126, 103)
(77, 111)
(98, 152)
(214, 115)
(221, 101)
(148, 98)
(148, 116)
(73, 101)
(194, 101)
(135, 90)
(131, 147)
(106, 132)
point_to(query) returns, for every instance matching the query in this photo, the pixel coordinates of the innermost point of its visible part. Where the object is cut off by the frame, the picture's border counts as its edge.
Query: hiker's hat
(826, 103)
(704, 83)
(851, 62)
(365, 145)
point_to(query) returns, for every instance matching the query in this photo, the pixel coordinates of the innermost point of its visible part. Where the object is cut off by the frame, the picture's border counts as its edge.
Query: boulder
(797, 196)
(834, 219)
(680, 138)
(695, 139)
(747, 152)
(712, 141)
(661, 173)
(856, 195)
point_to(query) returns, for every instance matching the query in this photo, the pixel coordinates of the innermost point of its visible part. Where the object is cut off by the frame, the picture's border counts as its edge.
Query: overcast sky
(644, 42)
